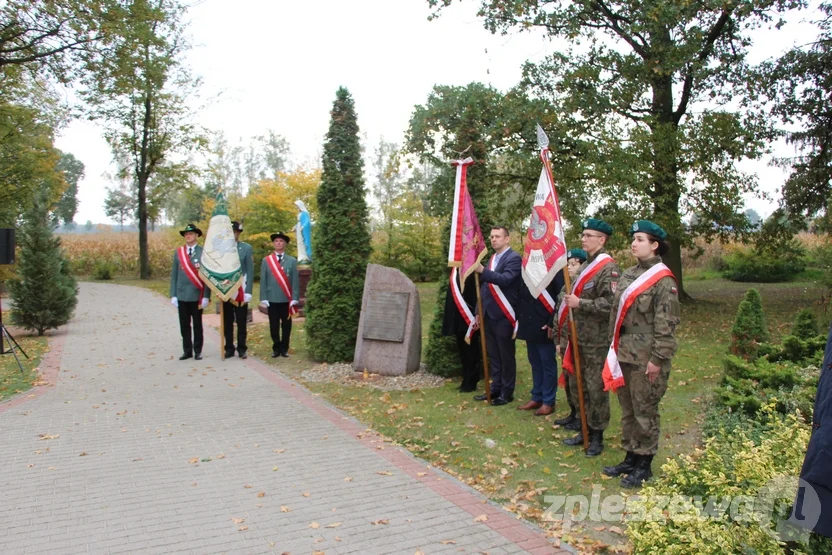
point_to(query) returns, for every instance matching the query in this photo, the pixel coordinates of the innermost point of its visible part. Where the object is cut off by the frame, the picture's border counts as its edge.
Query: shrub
(805, 325)
(764, 266)
(104, 270)
(731, 465)
(749, 329)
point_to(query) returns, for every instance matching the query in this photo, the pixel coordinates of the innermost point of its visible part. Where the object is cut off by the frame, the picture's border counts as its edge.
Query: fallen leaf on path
(348, 479)
(481, 518)
(47, 436)
(306, 494)
(194, 460)
(420, 474)
(261, 494)
(384, 473)
(274, 469)
(284, 509)
(242, 528)
(83, 454)
(247, 486)
(314, 525)
(237, 520)
(616, 530)
(333, 525)
(382, 521)
(448, 542)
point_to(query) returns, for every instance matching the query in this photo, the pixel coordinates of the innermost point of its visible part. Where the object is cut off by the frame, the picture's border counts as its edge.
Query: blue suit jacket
(507, 276)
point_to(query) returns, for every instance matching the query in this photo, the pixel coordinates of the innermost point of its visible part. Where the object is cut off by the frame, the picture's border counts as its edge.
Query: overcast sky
(273, 64)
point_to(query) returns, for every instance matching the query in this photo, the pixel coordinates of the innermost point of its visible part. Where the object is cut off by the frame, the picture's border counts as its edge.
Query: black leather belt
(628, 330)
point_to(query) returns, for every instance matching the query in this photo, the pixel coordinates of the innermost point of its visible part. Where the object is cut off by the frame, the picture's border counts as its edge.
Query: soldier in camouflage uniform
(647, 344)
(575, 258)
(591, 311)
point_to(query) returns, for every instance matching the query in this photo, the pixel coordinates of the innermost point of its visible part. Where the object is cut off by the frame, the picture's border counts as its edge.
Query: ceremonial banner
(219, 266)
(544, 253)
(467, 245)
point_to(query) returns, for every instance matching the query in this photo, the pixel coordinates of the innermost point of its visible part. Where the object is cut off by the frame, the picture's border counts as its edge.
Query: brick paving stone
(131, 450)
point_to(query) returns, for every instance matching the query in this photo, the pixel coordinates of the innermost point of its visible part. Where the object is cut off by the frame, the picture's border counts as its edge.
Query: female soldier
(575, 257)
(643, 322)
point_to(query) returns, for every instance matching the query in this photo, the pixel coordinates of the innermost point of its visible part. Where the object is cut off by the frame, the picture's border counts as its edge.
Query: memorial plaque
(386, 316)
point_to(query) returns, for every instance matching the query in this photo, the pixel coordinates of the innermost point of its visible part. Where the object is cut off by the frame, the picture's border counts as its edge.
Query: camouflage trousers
(571, 397)
(596, 400)
(639, 399)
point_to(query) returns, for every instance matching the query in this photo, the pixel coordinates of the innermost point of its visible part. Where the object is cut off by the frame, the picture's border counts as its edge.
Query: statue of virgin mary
(303, 232)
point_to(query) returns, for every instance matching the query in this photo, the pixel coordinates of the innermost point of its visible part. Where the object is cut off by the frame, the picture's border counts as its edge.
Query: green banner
(219, 266)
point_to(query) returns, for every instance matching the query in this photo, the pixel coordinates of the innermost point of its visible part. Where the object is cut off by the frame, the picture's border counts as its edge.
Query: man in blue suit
(500, 292)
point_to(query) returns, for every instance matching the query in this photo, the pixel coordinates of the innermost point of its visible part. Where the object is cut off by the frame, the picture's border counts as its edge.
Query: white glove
(174, 301)
(204, 302)
(293, 303)
(264, 303)
(246, 297)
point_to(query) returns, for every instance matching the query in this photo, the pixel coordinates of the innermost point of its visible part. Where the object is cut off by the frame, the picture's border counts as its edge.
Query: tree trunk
(144, 262)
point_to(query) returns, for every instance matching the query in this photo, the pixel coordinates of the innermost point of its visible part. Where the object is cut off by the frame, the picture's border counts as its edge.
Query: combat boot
(566, 419)
(640, 473)
(576, 440)
(624, 467)
(596, 443)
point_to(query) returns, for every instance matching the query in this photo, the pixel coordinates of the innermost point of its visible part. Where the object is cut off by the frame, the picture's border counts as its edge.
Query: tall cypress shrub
(341, 239)
(749, 329)
(44, 294)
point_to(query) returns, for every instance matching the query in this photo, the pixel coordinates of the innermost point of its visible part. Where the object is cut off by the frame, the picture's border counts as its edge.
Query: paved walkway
(130, 450)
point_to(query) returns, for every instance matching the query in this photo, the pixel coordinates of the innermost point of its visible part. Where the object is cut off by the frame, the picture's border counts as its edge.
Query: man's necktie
(190, 251)
(280, 258)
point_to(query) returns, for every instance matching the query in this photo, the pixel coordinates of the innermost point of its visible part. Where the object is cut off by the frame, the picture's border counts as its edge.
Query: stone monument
(389, 339)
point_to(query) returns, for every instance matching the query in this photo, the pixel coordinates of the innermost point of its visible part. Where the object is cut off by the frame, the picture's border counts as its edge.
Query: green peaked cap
(646, 226)
(580, 254)
(597, 225)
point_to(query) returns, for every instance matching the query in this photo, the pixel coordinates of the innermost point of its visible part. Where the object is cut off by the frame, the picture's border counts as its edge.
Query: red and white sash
(612, 375)
(547, 301)
(585, 277)
(240, 297)
(190, 270)
(461, 305)
(501, 299)
(282, 280)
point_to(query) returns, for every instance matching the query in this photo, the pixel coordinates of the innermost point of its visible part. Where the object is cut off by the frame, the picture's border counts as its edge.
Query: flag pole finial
(542, 139)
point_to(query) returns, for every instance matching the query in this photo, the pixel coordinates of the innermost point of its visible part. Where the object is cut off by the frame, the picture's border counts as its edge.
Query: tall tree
(341, 239)
(118, 205)
(73, 172)
(388, 181)
(663, 90)
(139, 90)
(802, 80)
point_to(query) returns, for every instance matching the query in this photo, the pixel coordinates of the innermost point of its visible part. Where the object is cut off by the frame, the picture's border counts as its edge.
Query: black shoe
(574, 426)
(243, 355)
(640, 474)
(500, 401)
(624, 467)
(596, 443)
(484, 397)
(198, 356)
(576, 440)
(185, 356)
(284, 354)
(275, 355)
(229, 354)
(566, 420)
(466, 388)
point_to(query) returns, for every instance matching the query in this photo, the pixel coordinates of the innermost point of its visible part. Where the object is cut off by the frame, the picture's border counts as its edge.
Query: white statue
(303, 232)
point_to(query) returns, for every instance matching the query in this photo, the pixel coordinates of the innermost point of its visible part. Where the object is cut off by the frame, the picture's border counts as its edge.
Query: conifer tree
(749, 328)
(44, 294)
(342, 240)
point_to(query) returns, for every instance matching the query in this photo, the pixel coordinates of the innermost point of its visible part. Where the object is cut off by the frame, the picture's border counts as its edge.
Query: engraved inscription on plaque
(386, 316)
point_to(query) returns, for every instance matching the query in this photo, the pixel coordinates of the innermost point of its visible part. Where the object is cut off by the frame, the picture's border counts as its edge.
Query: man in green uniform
(280, 292)
(646, 346)
(187, 292)
(238, 310)
(591, 301)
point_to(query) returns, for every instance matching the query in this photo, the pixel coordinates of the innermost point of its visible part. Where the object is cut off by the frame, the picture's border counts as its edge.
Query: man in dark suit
(470, 352)
(280, 291)
(500, 293)
(815, 512)
(188, 293)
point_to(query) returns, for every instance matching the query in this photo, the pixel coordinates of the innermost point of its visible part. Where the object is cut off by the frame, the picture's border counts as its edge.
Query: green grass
(449, 429)
(12, 380)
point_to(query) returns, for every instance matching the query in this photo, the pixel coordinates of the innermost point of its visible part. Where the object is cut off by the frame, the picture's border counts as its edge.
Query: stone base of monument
(389, 339)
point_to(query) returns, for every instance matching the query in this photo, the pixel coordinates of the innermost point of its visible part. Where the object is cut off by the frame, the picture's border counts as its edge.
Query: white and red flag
(467, 245)
(544, 253)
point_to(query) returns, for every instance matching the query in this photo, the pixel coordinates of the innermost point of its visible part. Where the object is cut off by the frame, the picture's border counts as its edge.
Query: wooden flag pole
(481, 319)
(222, 330)
(576, 359)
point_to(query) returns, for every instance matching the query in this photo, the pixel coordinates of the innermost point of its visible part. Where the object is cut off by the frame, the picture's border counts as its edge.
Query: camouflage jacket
(652, 319)
(592, 317)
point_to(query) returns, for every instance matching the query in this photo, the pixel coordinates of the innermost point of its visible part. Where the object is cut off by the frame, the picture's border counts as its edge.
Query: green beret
(646, 226)
(597, 225)
(580, 254)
